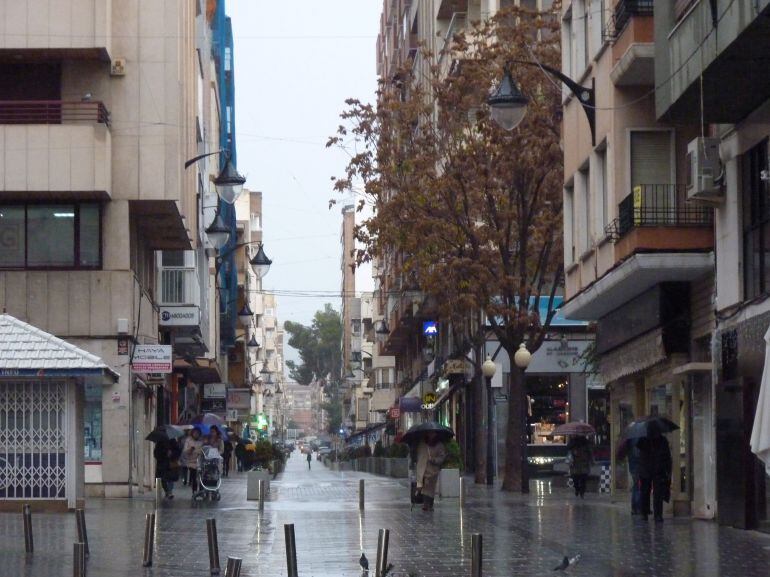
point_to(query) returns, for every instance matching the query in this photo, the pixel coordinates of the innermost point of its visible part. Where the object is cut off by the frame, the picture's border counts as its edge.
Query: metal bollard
(462, 492)
(29, 542)
(233, 568)
(291, 551)
(80, 516)
(79, 560)
(158, 492)
(149, 539)
(211, 534)
(361, 494)
(382, 552)
(476, 555)
(261, 489)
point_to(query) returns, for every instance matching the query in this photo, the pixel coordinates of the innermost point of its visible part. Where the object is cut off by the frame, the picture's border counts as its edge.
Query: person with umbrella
(580, 460)
(431, 453)
(654, 464)
(166, 455)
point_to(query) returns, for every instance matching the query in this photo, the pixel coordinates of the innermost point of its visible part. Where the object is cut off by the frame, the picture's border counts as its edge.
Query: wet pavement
(523, 536)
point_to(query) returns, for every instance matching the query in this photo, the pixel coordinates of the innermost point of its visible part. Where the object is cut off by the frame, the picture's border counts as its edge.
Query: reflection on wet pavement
(522, 536)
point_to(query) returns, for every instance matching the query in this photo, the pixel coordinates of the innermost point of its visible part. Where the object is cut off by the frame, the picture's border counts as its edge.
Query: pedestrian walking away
(190, 453)
(629, 450)
(309, 458)
(431, 454)
(227, 456)
(580, 460)
(167, 453)
(654, 471)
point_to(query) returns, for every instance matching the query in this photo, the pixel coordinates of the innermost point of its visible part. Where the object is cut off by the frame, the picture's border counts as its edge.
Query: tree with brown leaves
(474, 212)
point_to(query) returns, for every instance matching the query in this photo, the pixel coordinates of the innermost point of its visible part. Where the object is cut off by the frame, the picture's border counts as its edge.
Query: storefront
(48, 423)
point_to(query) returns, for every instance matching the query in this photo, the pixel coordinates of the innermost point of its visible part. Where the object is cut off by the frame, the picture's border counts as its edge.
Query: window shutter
(650, 158)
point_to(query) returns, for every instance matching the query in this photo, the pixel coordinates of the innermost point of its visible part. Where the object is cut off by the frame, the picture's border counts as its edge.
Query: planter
(449, 483)
(399, 468)
(252, 483)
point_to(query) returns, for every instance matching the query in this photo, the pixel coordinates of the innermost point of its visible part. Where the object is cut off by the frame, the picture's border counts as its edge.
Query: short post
(261, 490)
(476, 555)
(211, 534)
(79, 560)
(361, 499)
(291, 551)
(233, 568)
(462, 492)
(382, 552)
(158, 492)
(149, 539)
(29, 542)
(80, 516)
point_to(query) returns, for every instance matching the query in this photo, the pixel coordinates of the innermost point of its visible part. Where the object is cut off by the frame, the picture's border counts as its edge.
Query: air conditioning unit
(704, 170)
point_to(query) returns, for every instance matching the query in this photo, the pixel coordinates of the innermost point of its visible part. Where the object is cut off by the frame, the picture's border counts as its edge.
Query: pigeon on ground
(566, 563)
(364, 562)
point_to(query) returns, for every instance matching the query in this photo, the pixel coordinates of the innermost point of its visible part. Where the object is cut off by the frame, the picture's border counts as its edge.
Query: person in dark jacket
(580, 459)
(167, 455)
(654, 471)
(227, 456)
(629, 450)
(240, 454)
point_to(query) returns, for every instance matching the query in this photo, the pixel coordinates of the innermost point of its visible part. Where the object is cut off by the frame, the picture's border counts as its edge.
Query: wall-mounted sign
(152, 359)
(216, 406)
(214, 391)
(410, 404)
(454, 367)
(123, 346)
(238, 399)
(429, 401)
(180, 316)
(430, 328)
(394, 413)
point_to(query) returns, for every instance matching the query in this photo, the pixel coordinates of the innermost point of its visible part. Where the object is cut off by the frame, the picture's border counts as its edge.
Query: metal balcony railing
(178, 286)
(624, 11)
(660, 205)
(53, 112)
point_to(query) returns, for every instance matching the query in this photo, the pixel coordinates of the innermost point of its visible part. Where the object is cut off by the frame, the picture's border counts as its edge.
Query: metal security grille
(33, 439)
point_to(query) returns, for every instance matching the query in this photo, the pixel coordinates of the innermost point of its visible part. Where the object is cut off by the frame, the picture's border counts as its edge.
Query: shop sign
(430, 328)
(214, 391)
(216, 406)
(180, 316)
(232, 414)
(394, 413)
(429, 401)
(238, 399)
(559, 357)
(454, 367)
(152, 359)
(123, 346)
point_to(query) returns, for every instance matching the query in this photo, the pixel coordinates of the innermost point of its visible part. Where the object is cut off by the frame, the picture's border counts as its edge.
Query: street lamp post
(488, 369)
(521, 359)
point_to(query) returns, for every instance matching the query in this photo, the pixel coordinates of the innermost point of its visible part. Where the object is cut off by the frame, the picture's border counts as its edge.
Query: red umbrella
(574, 428)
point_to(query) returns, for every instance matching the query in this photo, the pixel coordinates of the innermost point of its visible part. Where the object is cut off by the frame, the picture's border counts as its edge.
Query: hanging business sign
(214, 391)
(429, 401)
(179, 316)
(430, 328)
(152, 359)
(238, 399)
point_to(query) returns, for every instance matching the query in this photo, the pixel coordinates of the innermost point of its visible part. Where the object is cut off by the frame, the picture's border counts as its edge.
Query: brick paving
(523, 536)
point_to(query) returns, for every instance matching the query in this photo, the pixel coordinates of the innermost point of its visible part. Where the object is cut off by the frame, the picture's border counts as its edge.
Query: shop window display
(92, 425)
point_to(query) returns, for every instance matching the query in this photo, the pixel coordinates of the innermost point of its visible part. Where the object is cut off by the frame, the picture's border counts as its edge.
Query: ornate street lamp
(245, 316)
(252, 344)
(260, 264)
(488, 369)
(508, 105)
(228, 183)
(218, 232)
(522, 357)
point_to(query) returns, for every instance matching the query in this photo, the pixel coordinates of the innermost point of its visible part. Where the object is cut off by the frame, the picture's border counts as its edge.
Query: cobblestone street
(522, 536)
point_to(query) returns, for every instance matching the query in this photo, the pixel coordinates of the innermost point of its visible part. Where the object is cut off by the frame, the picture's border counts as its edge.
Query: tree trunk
(516, 474)
(479, 430)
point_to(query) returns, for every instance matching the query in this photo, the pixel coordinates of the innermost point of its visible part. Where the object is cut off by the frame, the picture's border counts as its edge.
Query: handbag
(416, 494)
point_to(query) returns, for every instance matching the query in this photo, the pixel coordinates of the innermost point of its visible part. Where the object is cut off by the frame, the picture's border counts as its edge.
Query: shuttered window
(650, 158)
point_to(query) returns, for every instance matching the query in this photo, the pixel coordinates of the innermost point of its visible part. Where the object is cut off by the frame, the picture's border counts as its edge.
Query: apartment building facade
(101, 104)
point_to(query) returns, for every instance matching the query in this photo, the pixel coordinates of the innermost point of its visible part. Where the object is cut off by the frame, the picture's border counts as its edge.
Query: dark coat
(167, 455)
(654, 458)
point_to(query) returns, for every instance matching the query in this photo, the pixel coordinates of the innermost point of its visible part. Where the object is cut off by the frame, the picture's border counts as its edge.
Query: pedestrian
(184, 472)
(431, 454)
(580, 459)
(215, 440)
(192, 449)
(654, 471)
(240, 454)
(629, 450)
(309, 458)
(227, 455)
(166, 455)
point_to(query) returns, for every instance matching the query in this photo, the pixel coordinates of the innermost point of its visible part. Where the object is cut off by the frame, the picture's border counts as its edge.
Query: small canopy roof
(28, 351)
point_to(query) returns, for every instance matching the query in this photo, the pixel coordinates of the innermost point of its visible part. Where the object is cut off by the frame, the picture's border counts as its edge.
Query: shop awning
(27, 351)
(366, 431)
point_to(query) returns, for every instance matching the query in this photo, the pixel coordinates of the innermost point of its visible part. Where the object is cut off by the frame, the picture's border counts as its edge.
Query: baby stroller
(209, 474)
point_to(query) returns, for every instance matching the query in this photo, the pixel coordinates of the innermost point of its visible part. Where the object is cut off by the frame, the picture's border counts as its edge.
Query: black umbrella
(417, 432)
(164, 433)
(645, 426)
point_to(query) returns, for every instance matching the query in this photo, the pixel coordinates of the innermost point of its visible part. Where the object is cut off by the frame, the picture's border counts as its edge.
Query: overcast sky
(296, 61)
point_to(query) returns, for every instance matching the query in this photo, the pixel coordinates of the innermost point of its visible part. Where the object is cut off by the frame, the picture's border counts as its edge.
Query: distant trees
(318, 345)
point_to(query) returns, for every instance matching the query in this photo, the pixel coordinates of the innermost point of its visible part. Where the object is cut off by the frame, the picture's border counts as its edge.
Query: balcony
(631, 31)
(178, 287)
(68, 28)
(55, 148)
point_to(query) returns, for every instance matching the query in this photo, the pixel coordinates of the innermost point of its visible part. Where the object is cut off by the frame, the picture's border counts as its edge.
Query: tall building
(101, 105)
(351, 312)
(710, 86)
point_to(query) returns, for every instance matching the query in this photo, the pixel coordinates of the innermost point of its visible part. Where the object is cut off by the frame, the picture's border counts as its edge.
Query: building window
(756, 222)
(569, 225)
(585, 210)
(65, 236)
(601, 196)
(92, 425)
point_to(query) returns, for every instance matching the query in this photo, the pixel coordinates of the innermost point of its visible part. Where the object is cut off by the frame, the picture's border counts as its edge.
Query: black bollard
(361, 499)
(29, 542)
(233, 568)
(382, 552)
(149, 539)
(211, 534)
(261, 490)
(476, 555)
(79, 560)
(291, 551)
(80, 516)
